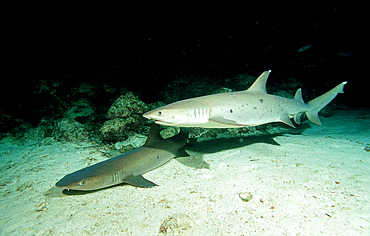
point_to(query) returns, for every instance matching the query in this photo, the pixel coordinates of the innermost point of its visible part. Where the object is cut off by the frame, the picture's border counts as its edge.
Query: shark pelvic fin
(182, 153)
(286, 120)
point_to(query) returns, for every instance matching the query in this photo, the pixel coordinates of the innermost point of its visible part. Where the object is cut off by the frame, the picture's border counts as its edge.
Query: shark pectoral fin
(139, 181)
(223, 120)
(286, 120)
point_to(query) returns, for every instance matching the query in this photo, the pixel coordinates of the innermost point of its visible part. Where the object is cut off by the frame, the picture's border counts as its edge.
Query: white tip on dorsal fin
(260, 84)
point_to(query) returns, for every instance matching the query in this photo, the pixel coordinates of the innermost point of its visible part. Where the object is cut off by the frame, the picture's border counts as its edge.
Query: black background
(144, 45)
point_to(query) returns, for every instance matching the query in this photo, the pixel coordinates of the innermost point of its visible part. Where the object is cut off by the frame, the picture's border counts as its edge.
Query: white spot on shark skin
(251, 107)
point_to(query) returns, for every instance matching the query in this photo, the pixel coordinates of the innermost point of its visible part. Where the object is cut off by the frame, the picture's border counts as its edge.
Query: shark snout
(150, 115)
(154, 115)
(145, 115)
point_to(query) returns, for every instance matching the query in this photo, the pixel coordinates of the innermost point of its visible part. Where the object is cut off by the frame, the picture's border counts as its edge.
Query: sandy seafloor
(315, 183)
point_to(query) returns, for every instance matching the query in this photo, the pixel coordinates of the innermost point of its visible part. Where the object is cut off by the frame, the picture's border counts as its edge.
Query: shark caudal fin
(320, 102)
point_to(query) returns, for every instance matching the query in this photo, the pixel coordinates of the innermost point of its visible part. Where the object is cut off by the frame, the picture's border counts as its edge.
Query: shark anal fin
(139, 181)
(297, 118)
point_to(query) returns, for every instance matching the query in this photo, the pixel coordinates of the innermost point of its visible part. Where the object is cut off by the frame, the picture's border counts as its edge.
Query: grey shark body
(128, 167)
(251, 107)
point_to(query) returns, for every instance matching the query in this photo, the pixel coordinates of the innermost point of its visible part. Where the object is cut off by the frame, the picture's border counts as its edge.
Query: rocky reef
(124, 115)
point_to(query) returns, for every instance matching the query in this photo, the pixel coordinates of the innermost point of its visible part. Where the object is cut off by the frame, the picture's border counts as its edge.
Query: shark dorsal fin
(260, 84)
(298, 96)
(153, 136)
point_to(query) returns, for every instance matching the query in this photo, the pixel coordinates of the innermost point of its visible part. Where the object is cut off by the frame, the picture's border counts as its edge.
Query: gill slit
(117, 176)
(202, 113)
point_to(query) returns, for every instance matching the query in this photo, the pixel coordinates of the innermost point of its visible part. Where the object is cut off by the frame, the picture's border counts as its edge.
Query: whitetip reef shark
(251, 107)
(128, 167)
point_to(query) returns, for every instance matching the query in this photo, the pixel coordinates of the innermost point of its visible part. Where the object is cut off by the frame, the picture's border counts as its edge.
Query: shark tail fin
(320, 102)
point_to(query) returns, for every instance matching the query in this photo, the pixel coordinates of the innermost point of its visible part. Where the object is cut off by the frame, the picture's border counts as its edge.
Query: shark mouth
(163, 123)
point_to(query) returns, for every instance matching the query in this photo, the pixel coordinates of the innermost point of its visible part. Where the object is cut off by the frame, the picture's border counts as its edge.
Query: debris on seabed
(245, 196)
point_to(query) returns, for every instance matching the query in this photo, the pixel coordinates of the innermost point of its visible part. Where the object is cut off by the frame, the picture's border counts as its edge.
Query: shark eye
(82, 183)
(159, 113)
